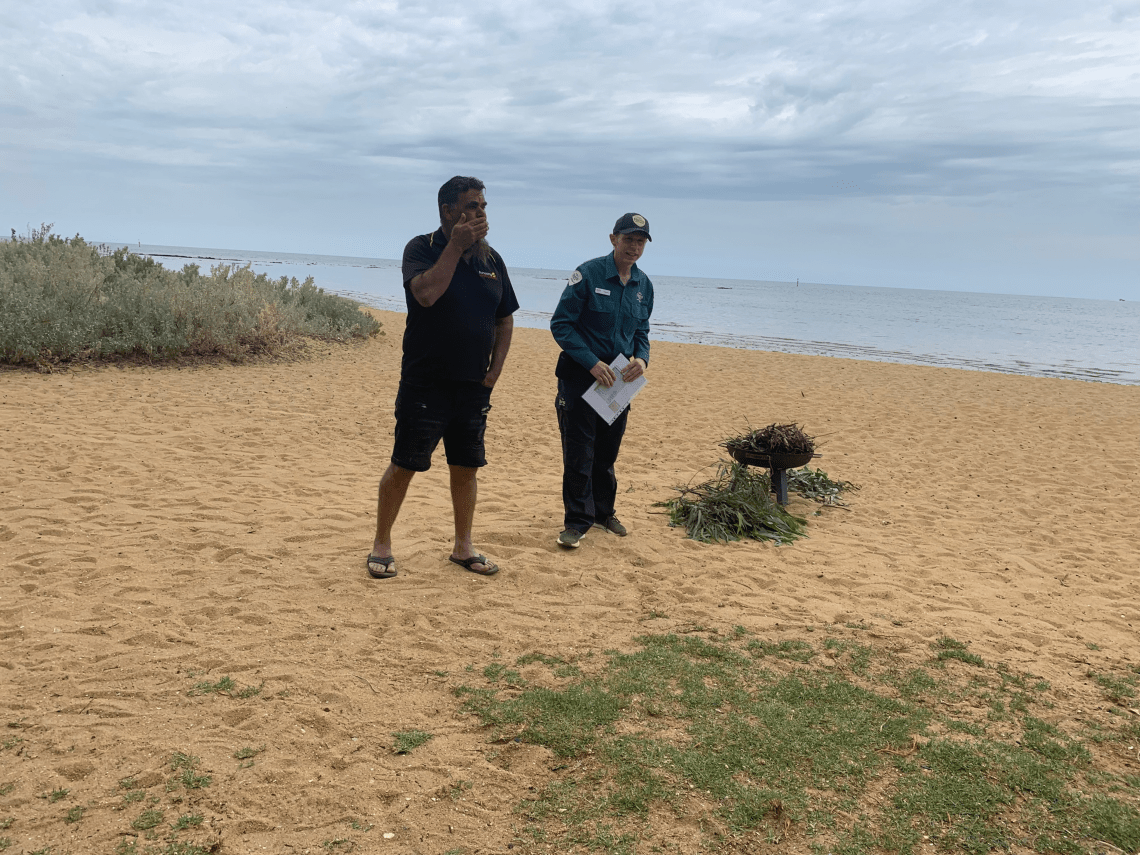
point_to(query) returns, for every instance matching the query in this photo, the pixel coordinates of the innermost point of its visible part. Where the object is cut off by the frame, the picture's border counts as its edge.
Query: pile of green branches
(736, 504)
(815, 485)
(62, 299)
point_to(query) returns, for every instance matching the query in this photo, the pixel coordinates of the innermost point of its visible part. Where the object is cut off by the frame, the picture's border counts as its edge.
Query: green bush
(65, 298)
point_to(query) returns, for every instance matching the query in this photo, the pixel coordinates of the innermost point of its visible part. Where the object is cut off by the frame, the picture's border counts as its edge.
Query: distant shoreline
(1026, 336)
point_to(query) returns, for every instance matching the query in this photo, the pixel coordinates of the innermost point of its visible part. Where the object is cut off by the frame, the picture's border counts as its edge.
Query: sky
(969, 146)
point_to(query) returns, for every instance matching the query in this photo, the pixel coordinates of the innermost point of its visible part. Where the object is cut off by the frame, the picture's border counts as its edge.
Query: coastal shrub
(63, 298)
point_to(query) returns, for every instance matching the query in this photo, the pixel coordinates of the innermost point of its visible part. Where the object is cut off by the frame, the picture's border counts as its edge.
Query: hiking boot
(571, 538)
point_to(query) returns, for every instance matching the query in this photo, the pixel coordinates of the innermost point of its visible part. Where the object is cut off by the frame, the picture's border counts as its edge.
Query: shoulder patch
(575, 277)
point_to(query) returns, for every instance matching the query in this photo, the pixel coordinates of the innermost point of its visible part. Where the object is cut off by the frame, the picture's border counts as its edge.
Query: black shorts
(453, 412)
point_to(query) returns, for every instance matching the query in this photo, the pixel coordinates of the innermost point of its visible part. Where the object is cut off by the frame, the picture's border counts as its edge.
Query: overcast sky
(977, 146)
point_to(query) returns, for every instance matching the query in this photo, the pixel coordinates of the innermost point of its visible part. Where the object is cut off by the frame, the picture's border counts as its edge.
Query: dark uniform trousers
(589, 449)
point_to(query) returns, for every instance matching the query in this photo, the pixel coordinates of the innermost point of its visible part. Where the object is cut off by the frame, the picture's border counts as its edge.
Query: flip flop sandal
(380, 568)
(489, 569)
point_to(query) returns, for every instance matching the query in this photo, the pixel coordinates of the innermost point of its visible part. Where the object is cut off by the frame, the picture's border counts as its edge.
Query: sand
(161, 528)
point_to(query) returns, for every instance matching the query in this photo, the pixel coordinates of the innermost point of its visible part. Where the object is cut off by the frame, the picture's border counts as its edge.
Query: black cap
(630, 223)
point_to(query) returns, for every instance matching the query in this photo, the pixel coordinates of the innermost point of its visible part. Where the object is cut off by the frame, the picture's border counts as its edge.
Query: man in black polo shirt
(458, 332)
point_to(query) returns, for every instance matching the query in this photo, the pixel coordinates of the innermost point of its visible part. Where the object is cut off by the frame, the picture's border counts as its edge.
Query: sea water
(1041, 336)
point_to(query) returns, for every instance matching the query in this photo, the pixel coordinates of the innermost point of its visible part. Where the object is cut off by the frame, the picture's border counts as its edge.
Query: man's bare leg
(393, 488)
(464, 491)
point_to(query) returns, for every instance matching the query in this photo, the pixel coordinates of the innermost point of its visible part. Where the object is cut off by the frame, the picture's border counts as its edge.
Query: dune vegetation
(64, 299)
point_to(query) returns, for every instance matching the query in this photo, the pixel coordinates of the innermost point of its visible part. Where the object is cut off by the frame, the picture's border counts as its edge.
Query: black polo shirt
(452, 339)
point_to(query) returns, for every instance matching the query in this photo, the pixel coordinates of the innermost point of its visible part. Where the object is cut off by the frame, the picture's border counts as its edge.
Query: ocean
(1081, 339)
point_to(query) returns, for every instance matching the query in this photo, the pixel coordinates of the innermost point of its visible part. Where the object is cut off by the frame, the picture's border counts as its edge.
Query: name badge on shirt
(602, 291)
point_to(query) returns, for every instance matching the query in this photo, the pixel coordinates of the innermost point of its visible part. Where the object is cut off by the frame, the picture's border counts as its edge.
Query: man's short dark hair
(449, 193)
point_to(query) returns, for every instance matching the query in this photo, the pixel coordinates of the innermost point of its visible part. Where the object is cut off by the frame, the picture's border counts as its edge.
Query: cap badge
(639, 220)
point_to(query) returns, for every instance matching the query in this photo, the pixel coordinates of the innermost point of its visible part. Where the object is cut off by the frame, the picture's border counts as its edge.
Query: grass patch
(63, 299)
(1118, 689)
(498, 672)
(560, 667)
(191, 780)
(767, 742)
(947, 648)
(151, 818)
(797, 651)
(457, 789)
(173, 847)
(224, 686)
(192, 820)
(75, 814)
(178, 760)
(184, 766)
(407, 740)
(245, 755)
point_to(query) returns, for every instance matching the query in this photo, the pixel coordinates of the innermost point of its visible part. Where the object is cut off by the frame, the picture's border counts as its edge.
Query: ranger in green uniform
(604, 311)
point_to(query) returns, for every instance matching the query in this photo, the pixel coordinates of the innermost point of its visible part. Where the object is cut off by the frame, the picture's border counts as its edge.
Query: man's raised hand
(466, 233)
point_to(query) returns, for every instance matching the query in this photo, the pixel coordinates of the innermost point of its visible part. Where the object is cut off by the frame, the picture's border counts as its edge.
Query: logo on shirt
(488, 274)
(639, 296)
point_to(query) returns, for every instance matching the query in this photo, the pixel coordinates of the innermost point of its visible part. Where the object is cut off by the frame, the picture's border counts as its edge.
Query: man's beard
(480, 250)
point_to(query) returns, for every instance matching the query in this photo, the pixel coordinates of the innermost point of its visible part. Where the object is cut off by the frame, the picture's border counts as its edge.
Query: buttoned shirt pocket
(636, 316)
(602, 311)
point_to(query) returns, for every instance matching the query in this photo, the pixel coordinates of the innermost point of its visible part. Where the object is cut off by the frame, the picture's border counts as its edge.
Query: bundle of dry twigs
(779, 439)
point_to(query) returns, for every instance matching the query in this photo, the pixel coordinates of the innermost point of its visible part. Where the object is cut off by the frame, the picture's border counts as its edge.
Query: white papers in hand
(611, 402)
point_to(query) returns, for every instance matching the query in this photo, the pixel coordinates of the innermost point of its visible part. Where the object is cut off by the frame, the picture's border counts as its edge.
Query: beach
(165, 527)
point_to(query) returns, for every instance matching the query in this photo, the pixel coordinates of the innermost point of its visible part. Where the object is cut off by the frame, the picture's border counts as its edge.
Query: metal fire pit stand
(777, 466)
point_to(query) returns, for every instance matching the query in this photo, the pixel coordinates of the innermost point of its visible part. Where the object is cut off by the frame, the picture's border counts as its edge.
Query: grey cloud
(873, 99)
(1121, 12)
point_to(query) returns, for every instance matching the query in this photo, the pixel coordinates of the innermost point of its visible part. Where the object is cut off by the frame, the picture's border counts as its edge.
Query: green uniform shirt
(597, 317)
